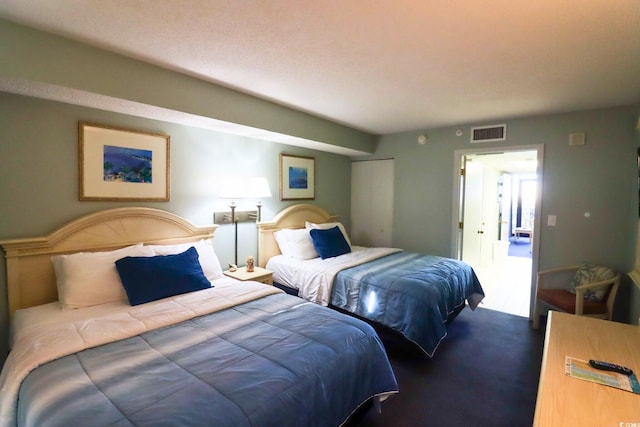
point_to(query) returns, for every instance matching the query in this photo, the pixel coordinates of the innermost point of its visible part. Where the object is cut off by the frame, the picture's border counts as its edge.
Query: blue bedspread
(276, 361)
(411, 293)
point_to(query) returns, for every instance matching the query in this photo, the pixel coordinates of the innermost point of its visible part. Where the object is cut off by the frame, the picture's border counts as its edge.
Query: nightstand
(261, 275)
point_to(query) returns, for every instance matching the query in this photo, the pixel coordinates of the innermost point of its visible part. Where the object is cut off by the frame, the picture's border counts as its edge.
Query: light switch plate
(576, 138)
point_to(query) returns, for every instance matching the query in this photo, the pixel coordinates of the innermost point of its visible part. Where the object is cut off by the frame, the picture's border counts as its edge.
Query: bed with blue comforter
(414, 294)
(124, 317)
(411, 293)
(276, 360)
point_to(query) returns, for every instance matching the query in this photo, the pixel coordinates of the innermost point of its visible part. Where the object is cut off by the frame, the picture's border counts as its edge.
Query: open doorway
(497, 213)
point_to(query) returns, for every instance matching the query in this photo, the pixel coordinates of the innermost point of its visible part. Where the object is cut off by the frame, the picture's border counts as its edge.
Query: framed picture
(297, 177)
(122, 164)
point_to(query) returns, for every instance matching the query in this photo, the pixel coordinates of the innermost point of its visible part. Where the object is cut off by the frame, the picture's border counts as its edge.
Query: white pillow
(295, 243)
(85, 279)
(206, 255)
(328, 225)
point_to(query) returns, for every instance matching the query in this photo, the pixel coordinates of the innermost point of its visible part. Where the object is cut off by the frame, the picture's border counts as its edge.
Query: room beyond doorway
(507, 285)
(497, 221)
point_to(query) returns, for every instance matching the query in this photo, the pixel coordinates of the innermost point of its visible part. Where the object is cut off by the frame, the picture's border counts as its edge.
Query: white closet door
(361, 202)
(372, 202)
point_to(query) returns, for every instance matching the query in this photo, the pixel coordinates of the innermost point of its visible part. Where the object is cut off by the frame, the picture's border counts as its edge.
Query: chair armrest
(595, 285)
(580, 291)
(573, 268)
(556, 278)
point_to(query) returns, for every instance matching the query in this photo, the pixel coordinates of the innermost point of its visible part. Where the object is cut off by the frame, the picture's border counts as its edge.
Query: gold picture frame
(117, 164)
(297, 177)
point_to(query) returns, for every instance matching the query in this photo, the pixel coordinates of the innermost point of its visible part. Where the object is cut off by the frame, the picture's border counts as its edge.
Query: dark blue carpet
(485, 373)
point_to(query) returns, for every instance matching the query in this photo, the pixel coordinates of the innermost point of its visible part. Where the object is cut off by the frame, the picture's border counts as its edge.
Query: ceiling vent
(489, 133)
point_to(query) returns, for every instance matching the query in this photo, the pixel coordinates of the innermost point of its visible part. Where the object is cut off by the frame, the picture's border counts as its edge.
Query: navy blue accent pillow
(330, 242)
(147, 279)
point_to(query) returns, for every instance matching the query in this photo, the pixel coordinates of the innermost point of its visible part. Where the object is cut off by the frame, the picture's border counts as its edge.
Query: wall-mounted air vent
(489, 133)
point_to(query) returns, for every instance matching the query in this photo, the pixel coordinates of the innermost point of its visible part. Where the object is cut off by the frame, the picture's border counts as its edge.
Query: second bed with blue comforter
(414, 294)
(411, 293)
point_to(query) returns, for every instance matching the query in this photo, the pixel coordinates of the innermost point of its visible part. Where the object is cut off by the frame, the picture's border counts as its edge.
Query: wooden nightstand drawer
(258, 275)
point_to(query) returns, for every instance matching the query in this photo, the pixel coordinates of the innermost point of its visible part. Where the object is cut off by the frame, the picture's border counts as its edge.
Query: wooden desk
(567, 401)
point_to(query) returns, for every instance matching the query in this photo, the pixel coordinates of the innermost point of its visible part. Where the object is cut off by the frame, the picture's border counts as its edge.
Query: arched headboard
(30, 276)
(291, 217)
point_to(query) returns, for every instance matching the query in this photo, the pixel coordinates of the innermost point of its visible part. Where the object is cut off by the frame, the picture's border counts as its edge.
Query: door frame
(456, 250)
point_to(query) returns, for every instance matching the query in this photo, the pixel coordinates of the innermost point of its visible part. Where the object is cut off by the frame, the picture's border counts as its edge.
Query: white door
(490, 214)
(372, 203)
(481, 219)
(472, 224)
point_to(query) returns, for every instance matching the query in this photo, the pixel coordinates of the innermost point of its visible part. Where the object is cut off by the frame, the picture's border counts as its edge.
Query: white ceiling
(375, 65)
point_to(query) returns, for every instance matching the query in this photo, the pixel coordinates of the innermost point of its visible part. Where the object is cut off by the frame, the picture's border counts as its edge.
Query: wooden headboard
(30, 276)
(291, 217)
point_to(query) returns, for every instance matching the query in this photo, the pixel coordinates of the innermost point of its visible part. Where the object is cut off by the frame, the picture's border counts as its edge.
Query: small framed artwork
(122, 164)
(297, 177)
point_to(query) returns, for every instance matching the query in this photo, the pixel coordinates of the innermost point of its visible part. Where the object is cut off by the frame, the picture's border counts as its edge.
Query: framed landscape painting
(122, 164)
(297, 177)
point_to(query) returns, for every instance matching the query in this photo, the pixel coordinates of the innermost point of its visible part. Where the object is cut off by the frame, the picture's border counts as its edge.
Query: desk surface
(567, 401)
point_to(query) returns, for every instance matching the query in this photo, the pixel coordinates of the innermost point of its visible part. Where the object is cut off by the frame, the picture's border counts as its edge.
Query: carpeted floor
(520, 247)
(485, 373)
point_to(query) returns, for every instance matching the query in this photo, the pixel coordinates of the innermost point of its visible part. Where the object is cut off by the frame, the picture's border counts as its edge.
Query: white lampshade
(258, 188)
(232, 187)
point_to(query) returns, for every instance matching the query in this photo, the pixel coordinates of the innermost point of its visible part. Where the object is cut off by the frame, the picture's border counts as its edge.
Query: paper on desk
(582, 370)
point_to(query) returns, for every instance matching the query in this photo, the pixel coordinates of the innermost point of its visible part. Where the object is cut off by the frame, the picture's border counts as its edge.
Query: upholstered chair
(584, 290)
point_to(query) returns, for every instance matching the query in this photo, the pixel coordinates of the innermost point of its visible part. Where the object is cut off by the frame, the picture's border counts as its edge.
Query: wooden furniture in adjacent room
(566, 401)
(519, 231)
(261, 275)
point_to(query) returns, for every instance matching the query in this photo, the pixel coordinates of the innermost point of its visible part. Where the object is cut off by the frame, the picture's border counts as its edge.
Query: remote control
(605, 366)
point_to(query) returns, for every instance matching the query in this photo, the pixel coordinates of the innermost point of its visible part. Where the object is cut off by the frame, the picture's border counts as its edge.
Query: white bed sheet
(52, 313)
(314, 278)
